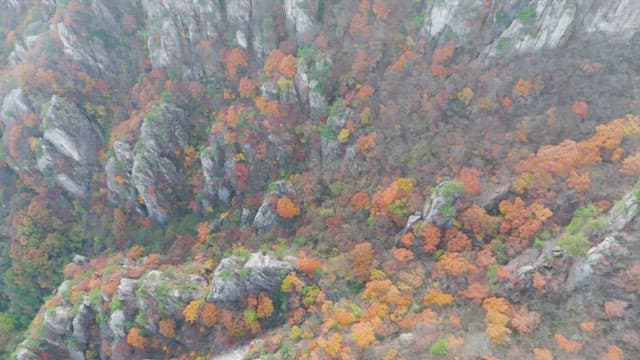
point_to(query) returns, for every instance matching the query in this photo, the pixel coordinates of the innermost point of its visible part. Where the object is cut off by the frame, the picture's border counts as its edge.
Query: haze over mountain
(308, 179)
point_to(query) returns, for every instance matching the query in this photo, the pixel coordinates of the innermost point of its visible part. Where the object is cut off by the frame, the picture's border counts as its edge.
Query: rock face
(181, 32)
(299, 18)
(94, 57)
(236, 277)
(169, 291)
(155, 165)
(218, 164)
(579, 272)
(624, 213)
(118, 170)
(81, 325)
(131, 56)
(168, 19)
(57, 325)
(334, 154)
(596, 263)
(14, 106)
(545, 25)
(69, 148)
(511, 28)
(440, 208)
(72, 331)
(117, 323)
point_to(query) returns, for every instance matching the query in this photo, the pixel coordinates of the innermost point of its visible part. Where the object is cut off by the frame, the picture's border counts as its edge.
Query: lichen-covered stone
(236, 277)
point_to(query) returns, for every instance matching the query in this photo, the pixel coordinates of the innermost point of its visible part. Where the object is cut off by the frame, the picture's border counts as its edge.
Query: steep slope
(397, 152)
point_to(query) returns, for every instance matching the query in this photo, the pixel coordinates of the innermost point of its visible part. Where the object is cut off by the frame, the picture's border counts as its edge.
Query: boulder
(127, 289)
(57, 326)
(172, 292)
(236, 277)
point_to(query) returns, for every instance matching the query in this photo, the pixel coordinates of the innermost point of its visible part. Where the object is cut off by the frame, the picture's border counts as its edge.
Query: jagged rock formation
(267, 217)
(181, 34)
(69, 148)
(578, 272)
(235, 277)
(153, 172)
(145, 118)
(69, 330)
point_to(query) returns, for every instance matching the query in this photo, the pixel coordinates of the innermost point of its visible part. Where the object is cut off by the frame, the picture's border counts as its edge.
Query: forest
(309, 179)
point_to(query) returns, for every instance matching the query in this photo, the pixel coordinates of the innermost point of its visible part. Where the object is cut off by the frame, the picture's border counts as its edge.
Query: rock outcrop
(169, 291)
(236, 277)
(69, 148)
(267, 217)
(512, 28)
(14, 106)
(369, 91)
(72, 331)
(155, 167)
(440, 208)
(576, 272)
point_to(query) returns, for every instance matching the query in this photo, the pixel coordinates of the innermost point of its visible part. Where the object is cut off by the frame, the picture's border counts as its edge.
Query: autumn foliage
(471, 179)
(135, 338)
(233, 59)
(476, 292)
(615, 308)
(286, 208)
(456, 240)
(167, 327)
(209, 314)
(580, 108)
(614, 353)
(359, 201)
(560, 160)
(567, 345)
(498, 313)
(362, 334)
(479, 222)
(308, 265)
(431, 235)
(525, 321)
(392, 200)
(436, 297)
(362, 258)
(452, 263)
(522, 222)
(191, 311)
(287, 66)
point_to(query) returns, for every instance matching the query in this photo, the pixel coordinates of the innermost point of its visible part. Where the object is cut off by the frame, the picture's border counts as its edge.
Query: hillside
(307, 179)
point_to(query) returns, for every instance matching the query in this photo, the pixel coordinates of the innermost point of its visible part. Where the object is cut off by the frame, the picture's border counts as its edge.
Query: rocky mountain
(319, 179)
